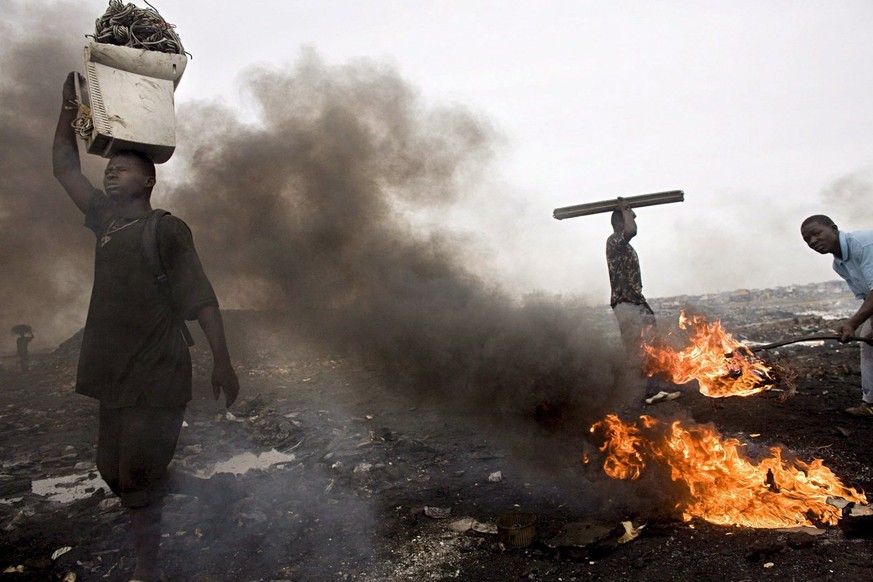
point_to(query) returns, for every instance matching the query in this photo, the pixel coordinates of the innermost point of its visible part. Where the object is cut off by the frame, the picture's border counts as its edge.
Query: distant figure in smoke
(134, 359)
(628, 303)
(25, 336)
(853, 261)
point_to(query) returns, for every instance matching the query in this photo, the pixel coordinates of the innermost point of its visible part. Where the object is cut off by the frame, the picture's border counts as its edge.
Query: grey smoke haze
(45, 260)
(732, 145)
(307, 212)
(312, 211)
(847, 201)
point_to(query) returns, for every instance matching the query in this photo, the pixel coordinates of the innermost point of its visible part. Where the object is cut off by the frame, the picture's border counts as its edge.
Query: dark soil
(366, 462)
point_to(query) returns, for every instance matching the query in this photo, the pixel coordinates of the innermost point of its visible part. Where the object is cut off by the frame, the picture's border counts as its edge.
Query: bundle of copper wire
(131, 26)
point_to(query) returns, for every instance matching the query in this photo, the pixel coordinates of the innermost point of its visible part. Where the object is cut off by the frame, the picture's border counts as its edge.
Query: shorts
(633, 322)
(135, 445)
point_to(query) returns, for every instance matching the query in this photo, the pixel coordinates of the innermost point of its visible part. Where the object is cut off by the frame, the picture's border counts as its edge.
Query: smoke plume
(45, 254)
(847, 200)
(316, 210)
(311, 211)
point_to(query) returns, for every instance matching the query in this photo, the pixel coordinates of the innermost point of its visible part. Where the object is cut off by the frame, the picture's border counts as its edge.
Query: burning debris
(723, 487)
(370, 525)
(721, 365)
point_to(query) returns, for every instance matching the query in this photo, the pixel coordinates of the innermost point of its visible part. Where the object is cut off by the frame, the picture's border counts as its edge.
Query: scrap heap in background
(131, 73)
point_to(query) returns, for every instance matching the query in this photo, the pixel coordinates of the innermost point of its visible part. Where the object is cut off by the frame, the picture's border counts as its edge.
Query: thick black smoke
(308, 211)
(45, 253)
(312, 211)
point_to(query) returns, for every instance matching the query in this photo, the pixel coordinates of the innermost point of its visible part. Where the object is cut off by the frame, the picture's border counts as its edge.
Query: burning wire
(134, 27)
(722, 486)
(721, 365)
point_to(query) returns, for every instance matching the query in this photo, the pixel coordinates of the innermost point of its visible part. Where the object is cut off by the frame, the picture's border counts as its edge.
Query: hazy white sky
(762, 112)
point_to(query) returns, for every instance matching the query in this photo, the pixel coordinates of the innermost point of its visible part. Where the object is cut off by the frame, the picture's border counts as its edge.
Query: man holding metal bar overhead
(627, 300)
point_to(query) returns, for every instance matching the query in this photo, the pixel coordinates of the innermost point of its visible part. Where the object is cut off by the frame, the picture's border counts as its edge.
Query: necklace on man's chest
(112, 229)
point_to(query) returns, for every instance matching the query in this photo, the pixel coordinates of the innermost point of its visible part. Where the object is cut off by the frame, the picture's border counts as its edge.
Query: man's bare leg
(146, 525)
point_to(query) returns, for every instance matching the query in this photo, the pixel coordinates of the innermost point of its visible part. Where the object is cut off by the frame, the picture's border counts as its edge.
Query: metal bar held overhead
(612, 204)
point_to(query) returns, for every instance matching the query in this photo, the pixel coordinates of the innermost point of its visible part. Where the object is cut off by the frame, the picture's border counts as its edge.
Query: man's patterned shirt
(624, 271)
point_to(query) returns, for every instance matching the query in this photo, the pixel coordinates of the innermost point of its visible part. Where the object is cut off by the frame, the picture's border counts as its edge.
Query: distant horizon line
(813, 284)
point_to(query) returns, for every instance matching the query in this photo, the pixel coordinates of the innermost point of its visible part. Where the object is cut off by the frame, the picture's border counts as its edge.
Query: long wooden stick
(808, 338)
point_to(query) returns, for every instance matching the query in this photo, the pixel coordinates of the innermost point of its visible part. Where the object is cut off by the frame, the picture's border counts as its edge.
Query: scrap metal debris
(838, 502)
(663, 397)
(630, 532)
(861, 511)
(60, 552)
(437, 512)
(466, 524)
(307, 503)
(850, 508)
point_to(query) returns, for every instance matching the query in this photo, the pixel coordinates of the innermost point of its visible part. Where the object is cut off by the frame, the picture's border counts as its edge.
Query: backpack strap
(151, 254)
(150, 245)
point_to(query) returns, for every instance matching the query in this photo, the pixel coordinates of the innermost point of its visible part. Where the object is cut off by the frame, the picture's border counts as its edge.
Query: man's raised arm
(630, 223)
(65, 151)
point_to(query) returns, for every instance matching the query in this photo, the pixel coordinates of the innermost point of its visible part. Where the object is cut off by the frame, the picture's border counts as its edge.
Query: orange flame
(723, 487)
(721, 365)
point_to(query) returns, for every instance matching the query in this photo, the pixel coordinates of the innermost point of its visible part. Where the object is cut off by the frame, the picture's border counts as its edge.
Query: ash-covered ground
(349, 478)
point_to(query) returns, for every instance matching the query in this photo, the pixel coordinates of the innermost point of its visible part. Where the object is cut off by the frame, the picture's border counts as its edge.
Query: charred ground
(366, 462)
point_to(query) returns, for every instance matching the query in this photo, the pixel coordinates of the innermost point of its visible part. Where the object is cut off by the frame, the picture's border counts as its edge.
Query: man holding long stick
(853, 261)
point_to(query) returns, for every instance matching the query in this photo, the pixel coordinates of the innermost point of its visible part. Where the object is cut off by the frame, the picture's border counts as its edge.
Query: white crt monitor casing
(130, 94)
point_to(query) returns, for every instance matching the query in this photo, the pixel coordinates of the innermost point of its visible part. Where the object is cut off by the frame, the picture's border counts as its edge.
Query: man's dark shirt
(132, 344)
(624, 271)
